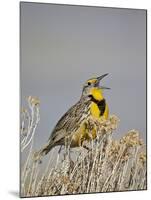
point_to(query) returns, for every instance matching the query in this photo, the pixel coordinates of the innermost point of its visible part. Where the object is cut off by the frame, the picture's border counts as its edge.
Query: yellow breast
(94, 109)
(95, 112)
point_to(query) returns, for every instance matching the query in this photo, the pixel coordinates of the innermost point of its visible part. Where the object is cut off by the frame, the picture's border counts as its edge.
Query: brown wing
(70, 121)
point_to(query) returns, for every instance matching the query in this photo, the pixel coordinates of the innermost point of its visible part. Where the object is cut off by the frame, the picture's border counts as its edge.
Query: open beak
(99, 79)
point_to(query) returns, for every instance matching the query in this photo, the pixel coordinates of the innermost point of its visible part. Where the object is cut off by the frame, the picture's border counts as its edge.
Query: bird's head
(92, 87)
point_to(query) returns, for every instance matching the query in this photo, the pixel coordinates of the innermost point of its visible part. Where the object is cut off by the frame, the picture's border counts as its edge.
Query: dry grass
(108, 165)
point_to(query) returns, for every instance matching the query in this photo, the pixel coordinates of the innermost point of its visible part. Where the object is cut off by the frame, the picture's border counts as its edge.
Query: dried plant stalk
(108, 165)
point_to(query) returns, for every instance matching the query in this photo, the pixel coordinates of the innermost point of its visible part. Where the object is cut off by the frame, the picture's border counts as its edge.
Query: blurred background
(62, 46)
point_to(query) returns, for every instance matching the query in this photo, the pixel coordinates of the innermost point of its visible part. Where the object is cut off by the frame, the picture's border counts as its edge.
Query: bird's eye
(89, 83)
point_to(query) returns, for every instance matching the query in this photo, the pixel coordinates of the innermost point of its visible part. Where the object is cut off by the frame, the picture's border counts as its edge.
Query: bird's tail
(43, 151)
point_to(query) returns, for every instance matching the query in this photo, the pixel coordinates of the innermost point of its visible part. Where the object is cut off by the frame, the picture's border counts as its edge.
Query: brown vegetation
(108, 165)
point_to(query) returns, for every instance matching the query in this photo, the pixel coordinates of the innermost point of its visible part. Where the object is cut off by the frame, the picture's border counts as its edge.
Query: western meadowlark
(73, 124)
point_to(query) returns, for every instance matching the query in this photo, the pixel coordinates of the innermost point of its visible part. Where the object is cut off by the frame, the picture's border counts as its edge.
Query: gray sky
(63, 46)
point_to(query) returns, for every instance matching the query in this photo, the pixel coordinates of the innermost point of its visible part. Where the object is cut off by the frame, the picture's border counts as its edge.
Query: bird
(73, 125)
